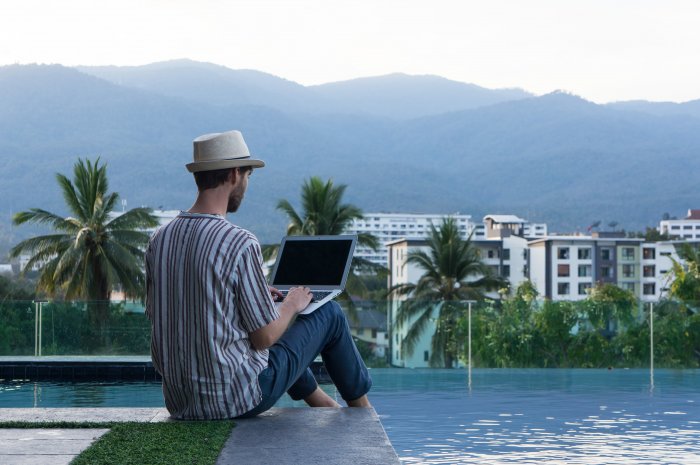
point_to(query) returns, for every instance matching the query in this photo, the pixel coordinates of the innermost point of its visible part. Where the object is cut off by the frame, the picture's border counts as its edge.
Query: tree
(608, 306)
(685, 276)
(452, 273)
(324, 213)
(89, 254)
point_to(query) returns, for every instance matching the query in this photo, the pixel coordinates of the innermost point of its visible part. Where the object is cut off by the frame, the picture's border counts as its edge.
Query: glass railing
(505, 333)
(45, 328)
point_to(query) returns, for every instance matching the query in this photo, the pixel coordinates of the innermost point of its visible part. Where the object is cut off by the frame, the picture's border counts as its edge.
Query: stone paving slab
(84, 414)
(44, 445)
(329, 436)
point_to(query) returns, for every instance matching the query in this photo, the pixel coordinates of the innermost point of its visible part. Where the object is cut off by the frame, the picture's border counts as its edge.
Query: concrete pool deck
(294, 435)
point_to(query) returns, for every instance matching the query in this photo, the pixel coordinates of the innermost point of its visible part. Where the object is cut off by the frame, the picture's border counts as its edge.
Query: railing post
(36, 328)
(470, 345)
(651, 344)
(38, 309)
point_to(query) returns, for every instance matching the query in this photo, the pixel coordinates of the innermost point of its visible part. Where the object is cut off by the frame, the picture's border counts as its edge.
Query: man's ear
(233, 175)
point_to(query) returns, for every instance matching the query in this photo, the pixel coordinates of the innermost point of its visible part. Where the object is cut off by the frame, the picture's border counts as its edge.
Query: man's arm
(297, 300)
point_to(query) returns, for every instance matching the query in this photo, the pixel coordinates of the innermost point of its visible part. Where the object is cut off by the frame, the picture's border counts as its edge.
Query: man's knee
(333, 310)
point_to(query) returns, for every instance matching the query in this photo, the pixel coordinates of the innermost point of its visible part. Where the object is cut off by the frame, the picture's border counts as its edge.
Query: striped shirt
(205, 293)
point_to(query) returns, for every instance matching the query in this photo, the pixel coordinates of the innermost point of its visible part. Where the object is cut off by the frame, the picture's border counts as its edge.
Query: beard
(234, 201)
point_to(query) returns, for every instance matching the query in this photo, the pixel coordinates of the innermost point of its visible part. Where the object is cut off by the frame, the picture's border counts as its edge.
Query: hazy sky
(603, 50)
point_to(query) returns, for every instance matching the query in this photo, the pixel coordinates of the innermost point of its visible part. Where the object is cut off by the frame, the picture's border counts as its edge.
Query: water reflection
(509, 417)
(549, 416)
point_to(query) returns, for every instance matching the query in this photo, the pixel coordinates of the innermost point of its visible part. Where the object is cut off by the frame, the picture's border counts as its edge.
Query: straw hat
(221, 150)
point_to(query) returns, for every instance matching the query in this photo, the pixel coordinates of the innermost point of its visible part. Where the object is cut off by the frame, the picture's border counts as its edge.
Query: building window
(649, 289)
(606, 253)
(665, 254)
(687, 226)
(628, 253)
(649, 271)
(505, 271)
(563, 288)
(506, 254)
(426, 356)
(584, 253)
(627, 271)
(491, 254)
(374, 333)
(675, 227)
(648, 253)
(628, 287)
(606, 271)
(563, 253)
(584, 271)
(563, 271)
(583, 288)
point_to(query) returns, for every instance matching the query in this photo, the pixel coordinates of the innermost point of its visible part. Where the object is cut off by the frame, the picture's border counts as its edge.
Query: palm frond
(39, 216)
(134, 219)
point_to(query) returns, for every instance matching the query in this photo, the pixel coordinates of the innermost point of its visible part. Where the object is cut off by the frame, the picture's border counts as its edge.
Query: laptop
(321, 263)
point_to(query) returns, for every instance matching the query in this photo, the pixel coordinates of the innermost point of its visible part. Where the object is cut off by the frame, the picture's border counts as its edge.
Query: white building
(686, 228)
(388, 227)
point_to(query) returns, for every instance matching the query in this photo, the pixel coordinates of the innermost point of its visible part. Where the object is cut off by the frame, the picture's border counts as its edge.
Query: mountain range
(401, 143)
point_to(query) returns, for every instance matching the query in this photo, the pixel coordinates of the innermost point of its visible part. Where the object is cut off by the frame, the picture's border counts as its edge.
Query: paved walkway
(294, 435)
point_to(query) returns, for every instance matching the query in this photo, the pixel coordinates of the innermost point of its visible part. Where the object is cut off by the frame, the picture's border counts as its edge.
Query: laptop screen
(312, 262)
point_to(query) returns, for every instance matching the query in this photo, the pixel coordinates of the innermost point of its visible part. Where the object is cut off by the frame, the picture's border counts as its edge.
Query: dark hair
(214, 178)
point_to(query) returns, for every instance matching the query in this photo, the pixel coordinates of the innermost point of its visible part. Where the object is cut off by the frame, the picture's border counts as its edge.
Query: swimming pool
(509, 416)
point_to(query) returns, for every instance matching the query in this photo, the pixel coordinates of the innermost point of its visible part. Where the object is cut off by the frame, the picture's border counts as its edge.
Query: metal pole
(36, 329)
(470, 346)
(40, 325)
(651, 344)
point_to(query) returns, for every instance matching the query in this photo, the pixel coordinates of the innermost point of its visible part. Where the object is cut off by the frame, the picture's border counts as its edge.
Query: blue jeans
(326, 332)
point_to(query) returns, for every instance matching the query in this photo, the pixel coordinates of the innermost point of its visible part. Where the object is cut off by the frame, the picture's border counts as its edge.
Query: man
(223, 348)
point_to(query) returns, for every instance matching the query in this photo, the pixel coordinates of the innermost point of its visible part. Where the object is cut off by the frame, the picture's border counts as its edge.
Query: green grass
(168, 443)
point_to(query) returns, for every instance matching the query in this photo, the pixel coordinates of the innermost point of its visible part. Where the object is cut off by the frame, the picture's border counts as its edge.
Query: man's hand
(298, 298)
(276, 294)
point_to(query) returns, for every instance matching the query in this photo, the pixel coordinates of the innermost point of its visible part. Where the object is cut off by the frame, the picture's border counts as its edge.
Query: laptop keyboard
(318, 295)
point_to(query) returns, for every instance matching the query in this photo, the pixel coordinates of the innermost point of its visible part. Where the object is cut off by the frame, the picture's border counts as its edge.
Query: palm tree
(324, 213)
(89, 254)
(453, 273)
(685, 276)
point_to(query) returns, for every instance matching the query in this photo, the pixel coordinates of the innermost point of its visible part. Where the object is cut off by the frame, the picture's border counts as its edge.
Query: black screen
(313, 262)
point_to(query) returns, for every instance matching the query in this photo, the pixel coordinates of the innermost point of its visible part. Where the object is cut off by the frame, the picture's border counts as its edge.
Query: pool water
(508, 416)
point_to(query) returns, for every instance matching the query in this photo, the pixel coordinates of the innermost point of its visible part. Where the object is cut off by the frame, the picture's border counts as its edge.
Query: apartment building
(566, 267)
(389, 227)
(686, 228)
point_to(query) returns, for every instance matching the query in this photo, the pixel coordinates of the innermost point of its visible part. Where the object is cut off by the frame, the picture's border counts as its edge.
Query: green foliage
(171, 443)
(67, 330)
(88, 254)
(531, 334)
(452, 274)
(685, 275)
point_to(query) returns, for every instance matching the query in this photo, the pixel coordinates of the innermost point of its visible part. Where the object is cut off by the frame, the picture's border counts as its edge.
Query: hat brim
(223, 164)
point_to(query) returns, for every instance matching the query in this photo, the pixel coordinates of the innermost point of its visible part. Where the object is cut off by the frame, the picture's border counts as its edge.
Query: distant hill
(556, 158)
(691, 108)
(396, 96)
(401, 96)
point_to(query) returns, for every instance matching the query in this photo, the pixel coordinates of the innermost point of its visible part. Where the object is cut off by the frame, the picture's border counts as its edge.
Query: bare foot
(318, 398)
